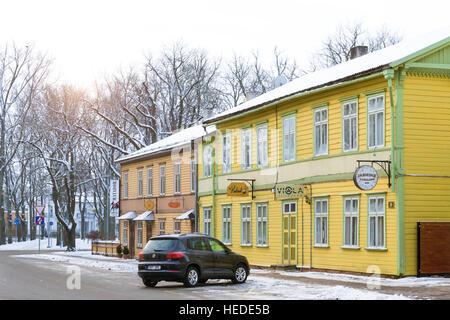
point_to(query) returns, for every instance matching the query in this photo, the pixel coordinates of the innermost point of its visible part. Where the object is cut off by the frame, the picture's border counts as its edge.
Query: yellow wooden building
(158, 189)
(276, 179)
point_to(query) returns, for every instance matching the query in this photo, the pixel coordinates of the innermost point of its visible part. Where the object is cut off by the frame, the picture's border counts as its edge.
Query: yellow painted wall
(132, 169)
(304, 124)
(427, 151)
(333, 257)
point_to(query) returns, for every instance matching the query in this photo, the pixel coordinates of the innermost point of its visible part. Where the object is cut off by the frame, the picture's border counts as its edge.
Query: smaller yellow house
(158, 189)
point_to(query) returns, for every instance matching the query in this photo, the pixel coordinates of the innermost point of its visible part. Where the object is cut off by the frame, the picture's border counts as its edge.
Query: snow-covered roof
(177, 139)
(364, 65)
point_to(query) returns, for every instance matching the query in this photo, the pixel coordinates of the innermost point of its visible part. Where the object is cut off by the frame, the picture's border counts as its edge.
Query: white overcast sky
(90, 38)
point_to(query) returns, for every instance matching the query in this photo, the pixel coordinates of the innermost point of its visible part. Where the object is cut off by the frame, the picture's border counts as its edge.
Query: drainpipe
(213, 210)
(389, 75)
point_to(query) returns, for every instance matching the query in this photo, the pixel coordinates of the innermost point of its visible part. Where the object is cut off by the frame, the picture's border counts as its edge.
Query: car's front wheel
(240, 274)
(192, 277)
(149, 283)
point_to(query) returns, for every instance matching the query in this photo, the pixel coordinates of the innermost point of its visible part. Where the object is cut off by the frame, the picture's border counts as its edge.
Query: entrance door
(290, 232)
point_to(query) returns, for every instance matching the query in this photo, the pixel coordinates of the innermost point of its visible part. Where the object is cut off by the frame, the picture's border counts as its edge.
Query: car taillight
(141, 255)
(175, 255)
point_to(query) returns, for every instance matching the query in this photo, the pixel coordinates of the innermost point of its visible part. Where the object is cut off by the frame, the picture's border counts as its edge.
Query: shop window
(226, 224)
(321, 221)
(207, 221)
(376, 222)
(246, 225)
(261, 225)
(351, 217)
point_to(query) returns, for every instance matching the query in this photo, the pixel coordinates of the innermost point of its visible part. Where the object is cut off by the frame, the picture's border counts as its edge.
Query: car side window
(216, 246)
(197, 244)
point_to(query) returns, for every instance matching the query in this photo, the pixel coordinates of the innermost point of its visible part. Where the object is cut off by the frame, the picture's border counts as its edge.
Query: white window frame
(262, 153)
(246, 145)
(226, 224)
(207, 161)
(176, 178)
(379, 109)
(176, 226)
(321, 237)
(322, 125)
(139, 234)
(125, 185)
(125, 233)
(246, 225)
(162, 180)
(226, 152)
(262, 228)
(376, 213)
(351, 214)
(348, 118)
(193, 175)
(149, 181)
(289, 136)
(207, 220)
(140, 183)
(162, 226)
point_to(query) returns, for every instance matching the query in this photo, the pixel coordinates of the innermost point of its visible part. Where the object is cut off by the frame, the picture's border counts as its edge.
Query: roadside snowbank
(34, 244)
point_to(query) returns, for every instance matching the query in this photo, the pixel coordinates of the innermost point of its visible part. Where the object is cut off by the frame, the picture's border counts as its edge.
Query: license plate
(153, 267)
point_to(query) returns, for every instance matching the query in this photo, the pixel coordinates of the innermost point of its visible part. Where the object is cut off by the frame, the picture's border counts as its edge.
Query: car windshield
(160, 245)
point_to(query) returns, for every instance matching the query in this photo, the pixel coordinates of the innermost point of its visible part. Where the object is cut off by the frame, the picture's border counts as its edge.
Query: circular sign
(149, 204)
(365, 177)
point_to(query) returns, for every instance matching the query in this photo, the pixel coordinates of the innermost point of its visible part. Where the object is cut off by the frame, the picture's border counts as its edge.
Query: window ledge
(246, 245)
(351, 247)
(318, 245)
(376, 249)
(262, 245)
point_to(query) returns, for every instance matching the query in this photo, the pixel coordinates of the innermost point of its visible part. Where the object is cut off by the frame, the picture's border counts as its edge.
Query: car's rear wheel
(149, 283)
(192, 277)
(240, 274)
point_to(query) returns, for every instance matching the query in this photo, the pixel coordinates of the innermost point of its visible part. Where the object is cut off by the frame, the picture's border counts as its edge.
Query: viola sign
(365, 178)
(288, 191)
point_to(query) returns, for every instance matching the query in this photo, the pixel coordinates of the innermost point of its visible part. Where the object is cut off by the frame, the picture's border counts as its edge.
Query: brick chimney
(358, 51)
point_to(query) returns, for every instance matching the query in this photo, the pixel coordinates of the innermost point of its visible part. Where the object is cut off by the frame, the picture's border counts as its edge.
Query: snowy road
(26, 275)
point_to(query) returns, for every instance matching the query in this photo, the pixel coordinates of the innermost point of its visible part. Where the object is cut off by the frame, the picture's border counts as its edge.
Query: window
(226, 153)
(321, 220)
(140, 183)
(289, 138)
(149, 181)
(125, 185)
(351, 214)
(176, 226)
(193, 176)
(207, 221)
(320, 132)
(261, 225)
(261, 146)
(162, 226)
(162, 180)
(207, 161)
(246, 225)
(139, 234)
(176, 178)
(226, 224)
(350, 126)
(376, 222)
(246, 148)
(125, 233)
(375, 111)
(216, 246)
(197, 244)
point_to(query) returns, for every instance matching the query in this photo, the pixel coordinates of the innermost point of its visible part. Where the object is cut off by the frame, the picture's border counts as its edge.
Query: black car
(190, 258)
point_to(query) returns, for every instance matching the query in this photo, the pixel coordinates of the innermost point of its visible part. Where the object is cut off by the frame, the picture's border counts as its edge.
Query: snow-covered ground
(262, 284)
(34, 245)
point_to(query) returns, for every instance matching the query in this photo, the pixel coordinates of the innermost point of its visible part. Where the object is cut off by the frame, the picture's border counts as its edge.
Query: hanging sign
(365, 177)
(289, 191)
(237, 189)
(114, 196)
(149, 204)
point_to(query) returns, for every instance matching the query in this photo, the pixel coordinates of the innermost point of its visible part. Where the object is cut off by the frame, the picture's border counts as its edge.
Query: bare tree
(336, 48)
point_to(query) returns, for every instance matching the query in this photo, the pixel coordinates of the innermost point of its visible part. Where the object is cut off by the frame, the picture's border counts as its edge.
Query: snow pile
(34, 245)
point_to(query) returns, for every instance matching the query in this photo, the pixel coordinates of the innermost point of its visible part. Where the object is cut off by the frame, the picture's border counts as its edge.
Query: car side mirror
(227, 250)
